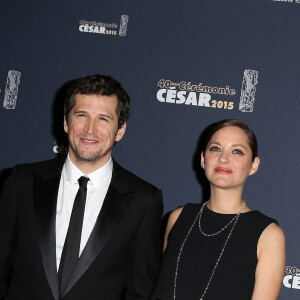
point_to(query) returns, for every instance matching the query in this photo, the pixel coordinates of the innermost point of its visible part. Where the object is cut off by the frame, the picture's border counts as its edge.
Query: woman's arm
(171, 221)
(271, 263)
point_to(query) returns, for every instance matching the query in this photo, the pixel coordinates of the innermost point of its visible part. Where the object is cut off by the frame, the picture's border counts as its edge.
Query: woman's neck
(226, 201)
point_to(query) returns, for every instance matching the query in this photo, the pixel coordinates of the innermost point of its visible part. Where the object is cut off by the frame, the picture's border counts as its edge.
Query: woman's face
(227, 160)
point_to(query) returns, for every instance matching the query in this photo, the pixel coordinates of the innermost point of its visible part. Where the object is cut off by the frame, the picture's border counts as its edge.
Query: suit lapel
(45, 199)
(114, 206)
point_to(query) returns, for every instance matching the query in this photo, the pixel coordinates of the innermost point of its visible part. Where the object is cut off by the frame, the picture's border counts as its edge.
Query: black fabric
(122, 255)
(71, 248)
(235, 275)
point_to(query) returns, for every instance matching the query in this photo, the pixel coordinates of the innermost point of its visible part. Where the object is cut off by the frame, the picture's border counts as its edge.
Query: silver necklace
(219, 258)
(213, 234)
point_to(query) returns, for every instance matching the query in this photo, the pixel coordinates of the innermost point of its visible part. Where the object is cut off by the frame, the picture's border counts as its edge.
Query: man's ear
(121, 132)
(254, 166)
(66, 127)
(202, 162)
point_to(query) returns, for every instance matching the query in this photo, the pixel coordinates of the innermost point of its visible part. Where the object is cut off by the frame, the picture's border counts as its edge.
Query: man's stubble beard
(90, 159)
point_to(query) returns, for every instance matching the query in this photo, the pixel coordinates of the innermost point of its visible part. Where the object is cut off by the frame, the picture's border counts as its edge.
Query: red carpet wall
(185, 64)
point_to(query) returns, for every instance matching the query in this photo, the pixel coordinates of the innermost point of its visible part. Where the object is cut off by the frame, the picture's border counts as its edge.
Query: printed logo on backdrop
(248, 90)
(291, 279)
(60, 149)
(11, 89)
(289, 1)
(207, 96)
(105, 28)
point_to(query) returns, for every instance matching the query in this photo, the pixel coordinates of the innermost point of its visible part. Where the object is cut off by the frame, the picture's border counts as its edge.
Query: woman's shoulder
(186, 209)
(271, 230)
(264, 229)
(271, 246)
(259, 219)
(174, 215)
(183, 214)
(178, 215)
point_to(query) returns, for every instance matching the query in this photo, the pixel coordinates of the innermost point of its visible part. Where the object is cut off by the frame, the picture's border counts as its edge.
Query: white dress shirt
(96, 191)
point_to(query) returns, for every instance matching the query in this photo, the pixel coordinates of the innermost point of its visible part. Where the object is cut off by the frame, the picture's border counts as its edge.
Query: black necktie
(70, 253)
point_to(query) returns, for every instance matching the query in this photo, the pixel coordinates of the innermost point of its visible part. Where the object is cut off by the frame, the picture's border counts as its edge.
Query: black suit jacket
(121, 257)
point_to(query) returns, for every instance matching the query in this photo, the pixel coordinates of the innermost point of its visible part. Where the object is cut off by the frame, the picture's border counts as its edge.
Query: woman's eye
(237, 151)
(215, 149)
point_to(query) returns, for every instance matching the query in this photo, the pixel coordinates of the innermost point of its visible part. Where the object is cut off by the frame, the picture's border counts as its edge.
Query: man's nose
(90, 127)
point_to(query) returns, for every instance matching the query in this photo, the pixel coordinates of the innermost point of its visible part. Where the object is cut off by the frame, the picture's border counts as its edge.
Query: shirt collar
(96, 177)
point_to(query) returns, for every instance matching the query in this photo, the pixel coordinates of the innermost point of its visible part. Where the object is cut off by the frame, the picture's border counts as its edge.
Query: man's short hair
(99, 85)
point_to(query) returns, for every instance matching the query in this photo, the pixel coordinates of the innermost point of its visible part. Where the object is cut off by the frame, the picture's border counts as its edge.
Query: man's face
(92, 129)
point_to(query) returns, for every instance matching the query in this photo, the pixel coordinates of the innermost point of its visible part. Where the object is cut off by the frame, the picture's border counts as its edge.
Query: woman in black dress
(222, 249)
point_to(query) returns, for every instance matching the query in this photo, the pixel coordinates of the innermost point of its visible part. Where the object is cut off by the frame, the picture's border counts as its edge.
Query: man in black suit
(105, 246)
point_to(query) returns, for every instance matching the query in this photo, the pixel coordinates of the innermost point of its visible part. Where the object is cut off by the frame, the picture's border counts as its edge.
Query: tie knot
(83, 181)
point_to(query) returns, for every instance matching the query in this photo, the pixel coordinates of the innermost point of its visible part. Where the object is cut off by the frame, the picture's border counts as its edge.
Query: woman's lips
(223, 170)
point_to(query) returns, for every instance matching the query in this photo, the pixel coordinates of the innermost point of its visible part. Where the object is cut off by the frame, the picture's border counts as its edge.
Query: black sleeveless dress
(235, 275)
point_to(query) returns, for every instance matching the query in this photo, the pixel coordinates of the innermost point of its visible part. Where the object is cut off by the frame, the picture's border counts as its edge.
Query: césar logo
(291, 279)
